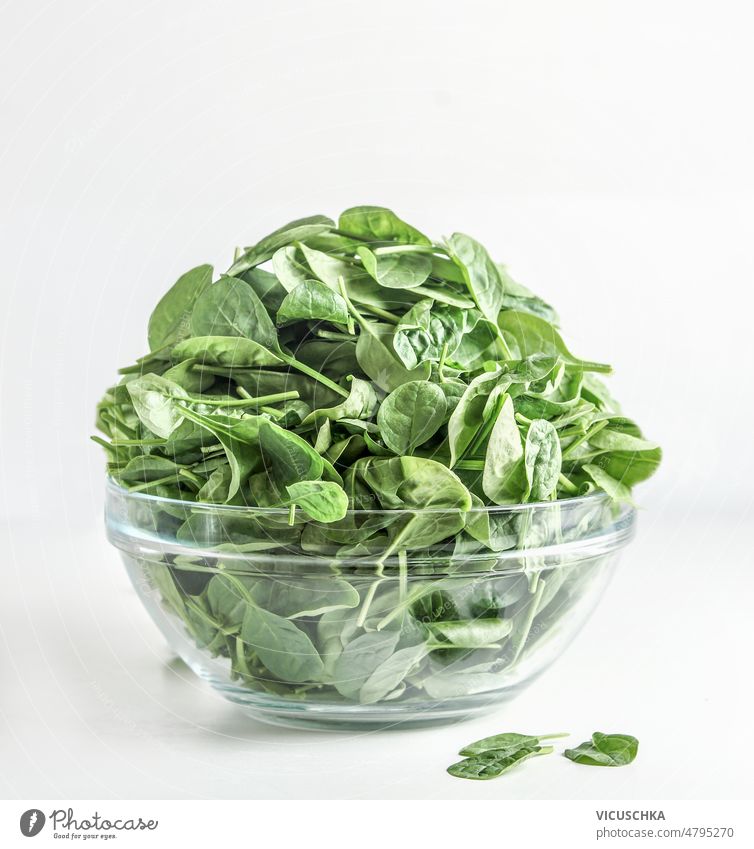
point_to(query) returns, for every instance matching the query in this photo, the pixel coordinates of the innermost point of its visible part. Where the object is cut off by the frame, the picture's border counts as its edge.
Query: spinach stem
(320, 378)
(366, 604)
(274, 398)
(587, 365)
(470, 465)
(441, 364)
(118, 442)
(149, 484)
(485, 430)
(404, 249)
(402, 575)
(342, 286)
(380, 313)
(195, 479)
(585, 437)
(272, 412)
(331, 334)
(567, 484)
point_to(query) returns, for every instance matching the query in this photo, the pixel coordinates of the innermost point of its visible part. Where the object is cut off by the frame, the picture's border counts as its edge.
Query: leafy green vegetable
(312, 300)
(492, 764)
(410, 415)
(480, 273)
(377, 224)
(605, 750)
(169, 323)
(533, 335)
(509, 741)
(396, 270)
(542, 459)
(363, 397)
(503, 460)
(288, 234)
(283, 647)
(323, 501)
(155, 403)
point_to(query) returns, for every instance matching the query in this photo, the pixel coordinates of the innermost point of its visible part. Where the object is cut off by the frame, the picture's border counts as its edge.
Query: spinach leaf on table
(509, 741)
(605, 750)
(493, 764)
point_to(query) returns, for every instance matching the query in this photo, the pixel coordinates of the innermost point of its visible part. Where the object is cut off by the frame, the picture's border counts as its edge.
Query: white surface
(603, 151)
(94, 706)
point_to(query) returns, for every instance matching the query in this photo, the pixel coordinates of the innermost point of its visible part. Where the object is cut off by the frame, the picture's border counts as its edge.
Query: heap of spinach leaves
(360, 366)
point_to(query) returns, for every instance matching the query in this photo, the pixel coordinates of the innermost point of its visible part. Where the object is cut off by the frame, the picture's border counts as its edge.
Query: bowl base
(343, 717)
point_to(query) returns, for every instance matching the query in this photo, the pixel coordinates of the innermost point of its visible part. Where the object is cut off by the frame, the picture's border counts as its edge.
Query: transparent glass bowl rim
(594, 498)
(613, 535)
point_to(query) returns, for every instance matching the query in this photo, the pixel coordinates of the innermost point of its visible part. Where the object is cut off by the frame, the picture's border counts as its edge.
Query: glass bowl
(386, 617)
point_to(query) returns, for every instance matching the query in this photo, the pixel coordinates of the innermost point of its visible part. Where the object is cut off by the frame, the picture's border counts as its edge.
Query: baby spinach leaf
(169, 323)
(508, 742)
(323, 501)
(154, 399)
(502, 477)
(288, 270)
(313, 301)
(298, 597)
(468, 417)
(530, 334)
(230, 308)
(281, 645)
(605, 750)
(287, 458)
(542, 460)
(330, 269)
(391, 672)
(373, 351)
(491, 765)
(472, 633)
(302, 228)
(144, 468)
(240, 439)
(479, 341)
(480, 274)
(231, 352)
(396, 270)
(410, 415)
(361, 403)
(266, 287)
(427, 332)
(519, 298)
(618, 491)
(378, 224)
(360, 658)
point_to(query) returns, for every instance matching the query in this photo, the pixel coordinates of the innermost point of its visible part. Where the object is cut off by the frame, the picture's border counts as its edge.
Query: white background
(603, 150)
